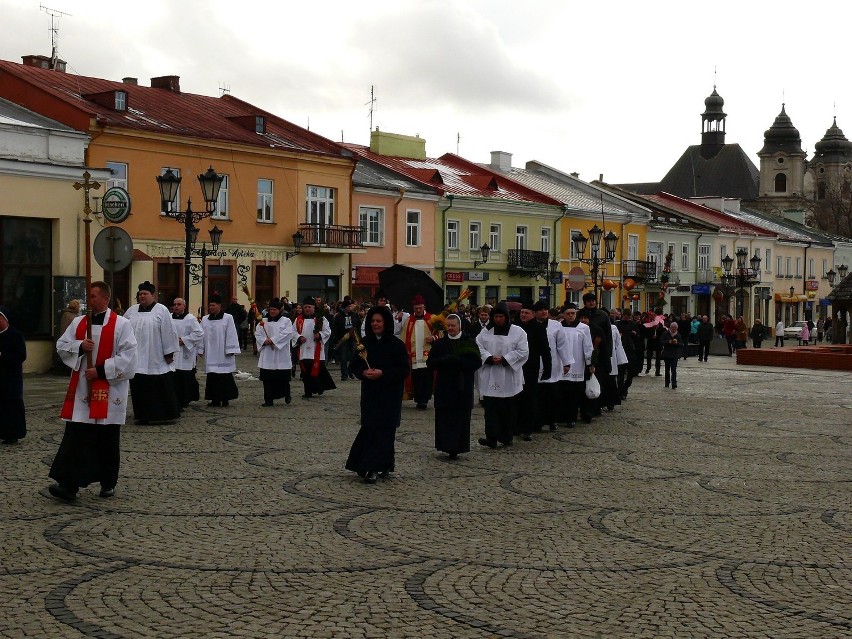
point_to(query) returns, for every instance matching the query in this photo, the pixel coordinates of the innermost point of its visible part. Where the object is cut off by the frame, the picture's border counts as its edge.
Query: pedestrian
(704, 333)
(13, 354)
(653, 329)
(618, 366)
(820, 327)
(805, 336)
(190, 336)
(95, 405)
(219, 349)
(345, 328)
(65, 318)
(238, 312)
(628, 329)
(417, 334)
(779, 333)
(740, 333)
(538, 366)
(758, 333)
(504, 351)
(573, 383)
(454, 360)
(272, 337)
(382, 366)
(729, 329)
(152, 389)
(671, 348)
(313, 330)
(599, 325)
(548, 399)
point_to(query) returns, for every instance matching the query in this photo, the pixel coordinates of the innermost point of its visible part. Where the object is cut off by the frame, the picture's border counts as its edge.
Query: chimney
(167, 82)
(501, 161)
(129, 80)
(43, 62)
(574, 174)
(600, 178)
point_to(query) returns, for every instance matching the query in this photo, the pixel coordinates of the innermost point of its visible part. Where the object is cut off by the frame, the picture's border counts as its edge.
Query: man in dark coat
(599, 325)
(454, 359)
(13, 353)
(345, 327)
(629, 331)
(483, 317)
(382, 366)
(538, 366)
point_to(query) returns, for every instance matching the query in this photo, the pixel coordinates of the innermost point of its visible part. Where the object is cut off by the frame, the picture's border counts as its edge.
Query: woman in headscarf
(13, 353)
(454, 359)
(382, 366)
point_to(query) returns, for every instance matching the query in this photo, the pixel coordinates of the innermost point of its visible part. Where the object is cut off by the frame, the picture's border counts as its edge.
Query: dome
(834, 147)
(713, 105)
(782, 136)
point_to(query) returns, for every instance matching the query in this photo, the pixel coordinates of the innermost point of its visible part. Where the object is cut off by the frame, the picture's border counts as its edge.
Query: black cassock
(13, 352)
(381, 404)
(454, 362)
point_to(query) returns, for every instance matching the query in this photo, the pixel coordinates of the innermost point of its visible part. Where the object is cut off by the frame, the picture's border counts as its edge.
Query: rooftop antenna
(458, 140)
(372, 103)
(224, 88)
(54, 32)
(714, 77)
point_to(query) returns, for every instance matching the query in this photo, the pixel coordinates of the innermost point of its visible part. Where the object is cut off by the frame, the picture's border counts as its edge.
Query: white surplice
(307, 349)
(618, 355)
(190, 335)
(220, 344)
(156, 337)
(274, 357)
(580, 345)
(560, 353)
(497, 380)
(118, 369)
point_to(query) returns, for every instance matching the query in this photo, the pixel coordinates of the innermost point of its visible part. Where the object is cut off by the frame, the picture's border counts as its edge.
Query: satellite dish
(113, 249)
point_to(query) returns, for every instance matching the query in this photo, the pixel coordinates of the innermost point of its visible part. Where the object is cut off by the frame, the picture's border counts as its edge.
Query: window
(25, 273)
(780, 183)
(779, 266)
(655, 255)
(798, 266)
(171, 206)
(811, 267)
(671, 249)
(574, 254)
(767, 260)
(452, 235)
(320, 206)
(789, 271)
(824, 269)
(264, 200)
(684, 257)
(703, 257)
(412, 228)
(222, 203)
(120, 100)
(119, 175)
(521, 238)
(474, 237)
(220, 280)
(723, 251)
(265, 280)
(632, 247)
(259, 124)
(820, 195)
(545, 240)
(169, 282)
(494, 237)
(371, 221)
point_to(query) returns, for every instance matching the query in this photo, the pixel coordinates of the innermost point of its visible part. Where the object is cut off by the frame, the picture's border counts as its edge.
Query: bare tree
(832, 209)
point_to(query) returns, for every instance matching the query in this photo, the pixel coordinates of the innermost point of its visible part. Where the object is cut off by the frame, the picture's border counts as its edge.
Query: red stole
(98, 388)
(410, 346)
(315, 367)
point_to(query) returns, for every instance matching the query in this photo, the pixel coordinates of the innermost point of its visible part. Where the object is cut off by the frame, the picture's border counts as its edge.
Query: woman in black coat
(13, 353)
(382, 367)
(454, 359)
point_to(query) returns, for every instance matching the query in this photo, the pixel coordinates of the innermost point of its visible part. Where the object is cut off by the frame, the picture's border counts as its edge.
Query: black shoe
(527, 437)
(288, 399)
(571, 424)
(352, 377)
(306, 396)
(214, 404)
(9, 442)
(421, 406)
(587, 419)
(658, 375)
(484, 441)
(265, 404)
(647, 370)
(667, 384)
(384, 474)
(674, 386)
(508, 443)
(106, 493)
(63, 492)
(553, 427)
(225, 404)
(371, 477)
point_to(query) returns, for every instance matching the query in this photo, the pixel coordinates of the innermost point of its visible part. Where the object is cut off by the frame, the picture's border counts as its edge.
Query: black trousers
(421, 385)
(652, 349)
(88, 454)
(671, 371)
(573, 399)
(500, 417)
(703, 349)
(547, 404)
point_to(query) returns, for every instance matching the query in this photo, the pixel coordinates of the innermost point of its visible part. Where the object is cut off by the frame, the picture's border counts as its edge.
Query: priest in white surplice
(153, 387)
(219, 349)
(96, 402)
(190, 334)
(561, 359)
(312, 332)
(573, 383)
(504, 350)
(272, 336)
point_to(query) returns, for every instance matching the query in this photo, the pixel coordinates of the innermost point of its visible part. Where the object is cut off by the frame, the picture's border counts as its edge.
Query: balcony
(639, 270)
(332, 236)
(523, 262)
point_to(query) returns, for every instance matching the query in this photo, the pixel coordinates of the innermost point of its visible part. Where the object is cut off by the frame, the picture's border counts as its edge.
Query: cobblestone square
(721, 509)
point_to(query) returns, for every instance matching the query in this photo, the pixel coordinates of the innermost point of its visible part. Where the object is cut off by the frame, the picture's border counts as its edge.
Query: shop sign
(454, 277)
(701, 289)
(115, 205)
(812, 285)
(476, 276)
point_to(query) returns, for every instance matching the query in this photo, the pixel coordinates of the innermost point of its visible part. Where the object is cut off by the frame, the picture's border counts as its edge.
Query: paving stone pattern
(721, 509)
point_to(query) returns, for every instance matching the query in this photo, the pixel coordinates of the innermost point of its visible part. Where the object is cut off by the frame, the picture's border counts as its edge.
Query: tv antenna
(372, 104)
(224, 88)
(54, 14)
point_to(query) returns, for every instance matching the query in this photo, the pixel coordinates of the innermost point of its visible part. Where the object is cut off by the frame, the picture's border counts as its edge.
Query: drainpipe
(396, 226)
(623, 238)
(442, 283)
(349, 256)
(555, 239)
(805, 279)
(696, 270)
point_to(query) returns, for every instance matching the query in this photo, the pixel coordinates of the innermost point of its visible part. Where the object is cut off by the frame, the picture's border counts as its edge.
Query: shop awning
(787, 299)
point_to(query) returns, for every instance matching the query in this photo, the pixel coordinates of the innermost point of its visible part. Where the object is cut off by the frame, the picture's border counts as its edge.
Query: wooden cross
(86, 185)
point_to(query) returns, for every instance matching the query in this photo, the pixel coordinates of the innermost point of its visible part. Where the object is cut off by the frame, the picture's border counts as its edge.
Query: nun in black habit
(13, 353)
(454, 359)
(382, 366)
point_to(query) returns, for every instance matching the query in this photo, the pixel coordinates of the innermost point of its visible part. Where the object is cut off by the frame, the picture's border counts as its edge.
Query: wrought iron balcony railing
(332, 236)
(640, 270)
(528, 262)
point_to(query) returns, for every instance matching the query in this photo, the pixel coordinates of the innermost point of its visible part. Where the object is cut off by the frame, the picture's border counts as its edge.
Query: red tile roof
(454, 175)
(725, 222)
(154, 110)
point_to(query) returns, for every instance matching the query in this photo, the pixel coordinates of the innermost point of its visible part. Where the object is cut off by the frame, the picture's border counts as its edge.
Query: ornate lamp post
(203, 253)
(297, 244)
(595, 261)
(742, 277)
(210, 183)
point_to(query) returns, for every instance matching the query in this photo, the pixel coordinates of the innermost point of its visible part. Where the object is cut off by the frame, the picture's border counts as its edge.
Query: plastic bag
(593, 388)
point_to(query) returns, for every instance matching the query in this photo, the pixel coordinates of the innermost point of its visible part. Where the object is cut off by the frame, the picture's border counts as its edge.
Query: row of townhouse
(302, 215)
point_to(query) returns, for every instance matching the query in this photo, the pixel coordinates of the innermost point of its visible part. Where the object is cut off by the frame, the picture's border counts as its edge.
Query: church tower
(712, 125)
(830, 169)
(782, 166)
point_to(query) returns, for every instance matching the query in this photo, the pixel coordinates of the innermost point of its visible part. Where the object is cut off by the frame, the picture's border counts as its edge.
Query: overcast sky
(613, 88)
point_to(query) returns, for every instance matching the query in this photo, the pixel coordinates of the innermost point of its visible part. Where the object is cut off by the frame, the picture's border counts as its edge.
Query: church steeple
(713, 125)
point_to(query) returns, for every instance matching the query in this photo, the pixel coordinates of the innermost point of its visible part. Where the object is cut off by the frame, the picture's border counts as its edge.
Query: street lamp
(742, 277)
(595, 261)
(552, 277)
(169, 183)
(842, 270)
(297, 244)
(485, 251)
(831, 276)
